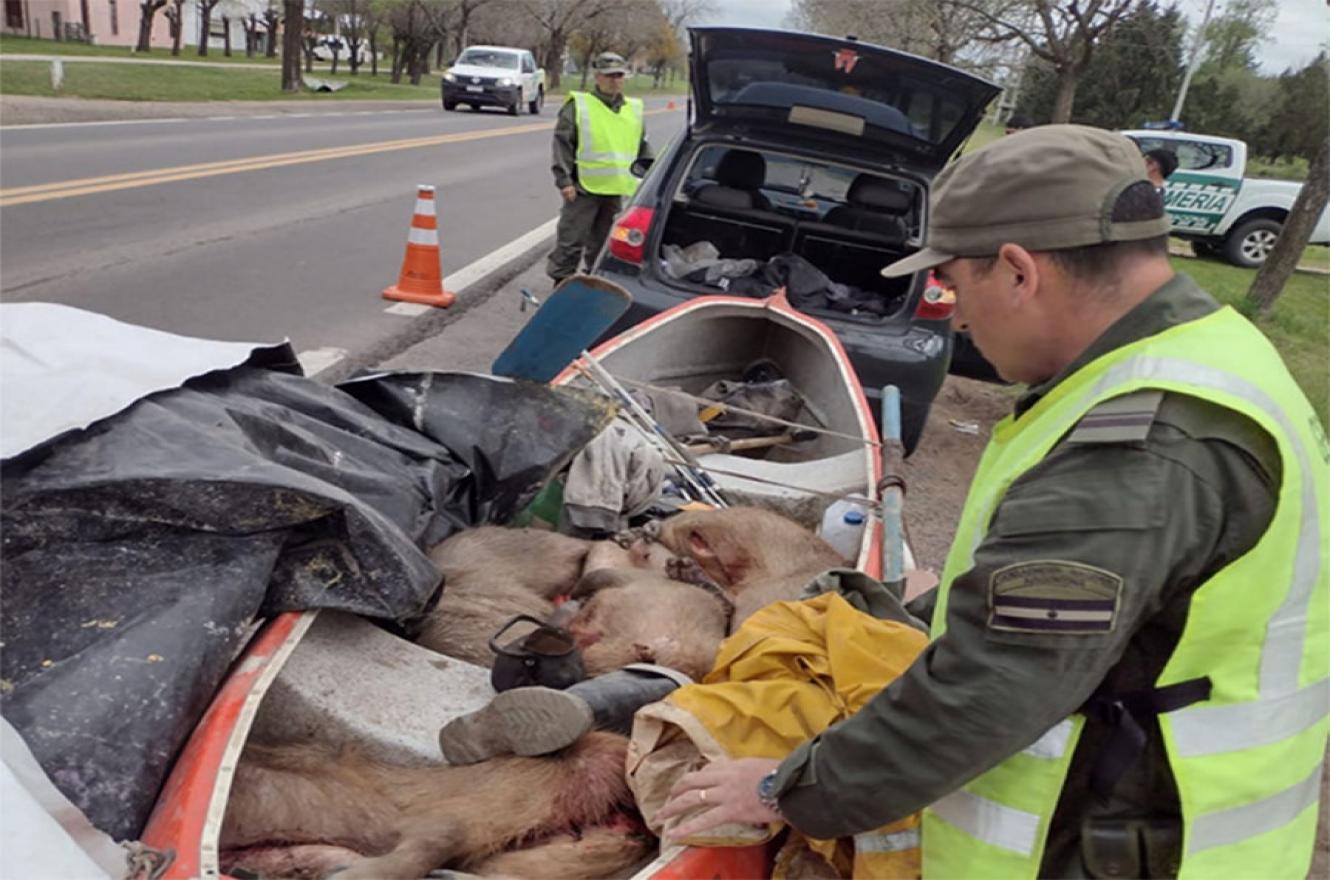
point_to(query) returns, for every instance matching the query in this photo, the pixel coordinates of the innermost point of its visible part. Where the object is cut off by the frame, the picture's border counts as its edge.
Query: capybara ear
(727, 561)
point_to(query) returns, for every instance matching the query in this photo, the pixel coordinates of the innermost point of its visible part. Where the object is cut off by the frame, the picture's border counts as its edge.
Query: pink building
(113, 23)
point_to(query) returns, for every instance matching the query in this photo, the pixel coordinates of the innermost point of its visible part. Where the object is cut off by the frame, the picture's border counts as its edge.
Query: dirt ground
(937, 477)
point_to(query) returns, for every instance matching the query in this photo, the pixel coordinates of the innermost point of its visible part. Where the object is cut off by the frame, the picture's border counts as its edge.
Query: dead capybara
(492, 574)
(340, 810)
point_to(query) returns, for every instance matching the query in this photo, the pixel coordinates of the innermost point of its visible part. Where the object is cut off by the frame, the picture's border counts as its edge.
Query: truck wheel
(515, 107)
(1250, 243)
(536, 104)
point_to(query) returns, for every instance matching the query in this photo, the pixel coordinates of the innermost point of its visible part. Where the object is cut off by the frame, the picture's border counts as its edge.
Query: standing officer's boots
(540, 720)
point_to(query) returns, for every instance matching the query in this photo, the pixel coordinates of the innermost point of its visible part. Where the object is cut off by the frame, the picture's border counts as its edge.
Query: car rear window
(489, 58)
(804, 188)
(770, 73)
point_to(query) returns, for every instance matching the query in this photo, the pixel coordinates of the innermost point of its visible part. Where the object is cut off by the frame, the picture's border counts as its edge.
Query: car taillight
(938, 301)
(628, 238)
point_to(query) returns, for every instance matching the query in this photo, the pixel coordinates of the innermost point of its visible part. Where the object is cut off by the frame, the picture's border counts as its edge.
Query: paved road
(256, 229)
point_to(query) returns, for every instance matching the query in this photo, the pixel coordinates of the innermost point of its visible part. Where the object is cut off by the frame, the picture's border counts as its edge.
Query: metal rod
(748, 412)
(892, 488)
(688, 468)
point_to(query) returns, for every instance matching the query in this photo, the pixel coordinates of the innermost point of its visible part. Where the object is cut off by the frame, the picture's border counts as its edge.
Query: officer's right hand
(568, 192)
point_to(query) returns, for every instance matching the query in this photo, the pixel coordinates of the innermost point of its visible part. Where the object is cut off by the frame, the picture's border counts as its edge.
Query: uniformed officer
(1129, 670)
(597, 138)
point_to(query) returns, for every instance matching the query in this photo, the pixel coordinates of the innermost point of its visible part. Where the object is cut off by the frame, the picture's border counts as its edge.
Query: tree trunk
(337, 54)
(1068, 79)
(270, 18)
(226, 35)
(1297, 231)
(147, 10)
(205, 18)
(396, 76)
(373, 54)
(293, 26)
(177, 18)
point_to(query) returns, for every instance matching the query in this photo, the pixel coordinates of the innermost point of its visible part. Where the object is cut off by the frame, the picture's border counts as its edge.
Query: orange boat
(690, 347)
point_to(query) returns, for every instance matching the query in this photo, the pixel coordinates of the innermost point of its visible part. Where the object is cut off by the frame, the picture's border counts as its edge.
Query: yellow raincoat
(791, 670)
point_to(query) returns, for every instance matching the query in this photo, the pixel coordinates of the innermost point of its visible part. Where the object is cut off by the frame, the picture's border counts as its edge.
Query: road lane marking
(87, 186)
(32, 126)
(473, 272)
(316, 360)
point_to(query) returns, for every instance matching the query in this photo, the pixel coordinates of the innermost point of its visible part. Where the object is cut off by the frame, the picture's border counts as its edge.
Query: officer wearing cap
(1129, 666)
(597, 138)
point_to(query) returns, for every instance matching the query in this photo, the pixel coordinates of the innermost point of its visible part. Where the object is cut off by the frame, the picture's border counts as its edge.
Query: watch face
(766, 789)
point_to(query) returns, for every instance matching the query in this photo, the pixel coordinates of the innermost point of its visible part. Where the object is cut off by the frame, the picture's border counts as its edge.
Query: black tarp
(137, 552)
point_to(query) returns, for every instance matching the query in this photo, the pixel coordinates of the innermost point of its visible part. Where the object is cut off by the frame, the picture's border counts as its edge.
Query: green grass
(1298, 324)
(14, 45)
(1283, 169)
(143, 82)
(638, 84)
(985, 133)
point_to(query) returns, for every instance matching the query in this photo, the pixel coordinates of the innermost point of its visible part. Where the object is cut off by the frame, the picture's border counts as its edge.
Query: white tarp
(43, 834)
(63, 368)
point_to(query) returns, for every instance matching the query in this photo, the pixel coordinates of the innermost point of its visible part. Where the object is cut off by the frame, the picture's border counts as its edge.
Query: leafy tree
(1300, 120)
(1133, 76)
(1232, 37)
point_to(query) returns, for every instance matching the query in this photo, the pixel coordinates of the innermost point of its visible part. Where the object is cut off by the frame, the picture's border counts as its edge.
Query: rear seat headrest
(742, 169)
(876, 194)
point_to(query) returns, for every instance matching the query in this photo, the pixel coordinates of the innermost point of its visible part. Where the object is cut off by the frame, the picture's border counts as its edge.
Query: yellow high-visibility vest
(607, 144)
(1247, 761)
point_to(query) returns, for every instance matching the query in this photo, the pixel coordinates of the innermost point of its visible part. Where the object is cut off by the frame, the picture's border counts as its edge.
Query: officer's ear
(1019, 274)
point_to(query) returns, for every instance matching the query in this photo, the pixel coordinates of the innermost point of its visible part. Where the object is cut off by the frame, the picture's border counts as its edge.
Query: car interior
(759, 205)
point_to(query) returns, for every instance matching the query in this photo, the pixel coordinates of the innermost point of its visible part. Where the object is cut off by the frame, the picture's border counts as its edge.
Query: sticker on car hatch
(846, 59)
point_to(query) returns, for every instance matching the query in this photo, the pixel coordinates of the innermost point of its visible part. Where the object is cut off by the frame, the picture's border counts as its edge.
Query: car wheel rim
(1257, 245)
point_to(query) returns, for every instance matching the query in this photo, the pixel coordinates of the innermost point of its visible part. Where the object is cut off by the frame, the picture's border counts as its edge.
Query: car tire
(516, 106)
(537, 103)
(450, 105)
(1249, 244)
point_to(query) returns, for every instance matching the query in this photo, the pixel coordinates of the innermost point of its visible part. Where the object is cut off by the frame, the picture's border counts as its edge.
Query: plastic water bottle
(843, 527)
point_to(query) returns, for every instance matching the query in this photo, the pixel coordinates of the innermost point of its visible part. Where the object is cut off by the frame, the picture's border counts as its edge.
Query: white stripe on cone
(423, 236)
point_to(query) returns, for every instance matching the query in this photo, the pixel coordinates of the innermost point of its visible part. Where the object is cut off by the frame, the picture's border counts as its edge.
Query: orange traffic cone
(421, 280)
(670, 105)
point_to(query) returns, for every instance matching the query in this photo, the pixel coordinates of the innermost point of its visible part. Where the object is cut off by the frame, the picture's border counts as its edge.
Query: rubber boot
(540, 720)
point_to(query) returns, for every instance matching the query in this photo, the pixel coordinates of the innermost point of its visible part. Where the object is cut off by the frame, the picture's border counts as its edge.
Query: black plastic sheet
(136, 553)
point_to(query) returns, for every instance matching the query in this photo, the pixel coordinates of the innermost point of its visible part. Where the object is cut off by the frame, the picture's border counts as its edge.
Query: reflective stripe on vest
(607, 144)
(1246, 761)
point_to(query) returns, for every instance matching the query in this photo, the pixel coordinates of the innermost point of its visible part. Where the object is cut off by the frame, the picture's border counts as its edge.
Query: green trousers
(584, 224)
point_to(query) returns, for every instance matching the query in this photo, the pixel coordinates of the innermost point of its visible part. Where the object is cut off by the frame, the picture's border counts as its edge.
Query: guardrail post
(57, 74)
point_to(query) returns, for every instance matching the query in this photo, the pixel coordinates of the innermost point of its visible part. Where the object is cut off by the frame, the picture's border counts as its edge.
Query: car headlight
(448, 77)
(506, 81)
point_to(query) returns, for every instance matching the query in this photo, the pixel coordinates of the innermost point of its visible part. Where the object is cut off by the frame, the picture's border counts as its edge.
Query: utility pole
(1194, 61)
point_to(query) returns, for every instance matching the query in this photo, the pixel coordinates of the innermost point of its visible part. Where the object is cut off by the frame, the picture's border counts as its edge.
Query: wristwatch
(767, 794)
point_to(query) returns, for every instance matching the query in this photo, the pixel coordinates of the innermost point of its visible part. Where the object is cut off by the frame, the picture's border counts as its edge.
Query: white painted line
(465, 277)
(317, 360)
(408, 310)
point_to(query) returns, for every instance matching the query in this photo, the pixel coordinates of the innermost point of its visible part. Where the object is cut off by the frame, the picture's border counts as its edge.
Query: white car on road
(1214, 207)
(494, 76)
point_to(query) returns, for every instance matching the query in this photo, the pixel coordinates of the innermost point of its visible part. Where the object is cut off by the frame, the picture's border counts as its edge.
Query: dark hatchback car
(806, 162)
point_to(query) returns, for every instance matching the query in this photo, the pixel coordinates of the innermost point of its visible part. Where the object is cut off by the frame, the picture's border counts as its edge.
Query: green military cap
(1045, 188)
(609, 62)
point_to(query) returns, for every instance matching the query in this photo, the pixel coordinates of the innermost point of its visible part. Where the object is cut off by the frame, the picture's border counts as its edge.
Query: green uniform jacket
(977, 696)
(565, 141)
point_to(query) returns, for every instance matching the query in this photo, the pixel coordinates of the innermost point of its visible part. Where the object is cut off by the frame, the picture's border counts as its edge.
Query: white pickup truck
(1214, 207)
(494, 76)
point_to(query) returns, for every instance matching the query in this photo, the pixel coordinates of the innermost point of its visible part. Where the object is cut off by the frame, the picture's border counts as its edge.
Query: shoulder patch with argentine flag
(1053, 596)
